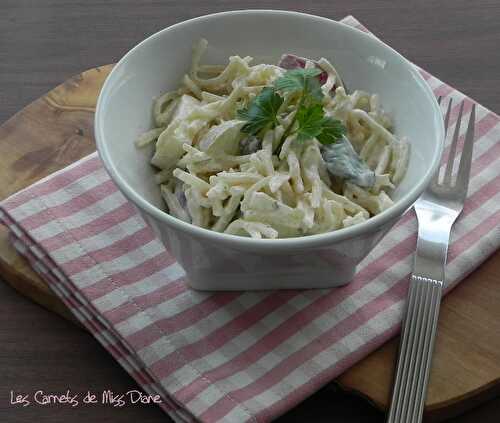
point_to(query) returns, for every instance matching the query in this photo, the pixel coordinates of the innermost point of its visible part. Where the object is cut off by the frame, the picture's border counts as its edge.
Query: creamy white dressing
(213, 175)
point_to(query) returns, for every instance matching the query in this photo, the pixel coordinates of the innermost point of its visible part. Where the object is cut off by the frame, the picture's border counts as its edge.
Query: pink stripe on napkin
(231, 357)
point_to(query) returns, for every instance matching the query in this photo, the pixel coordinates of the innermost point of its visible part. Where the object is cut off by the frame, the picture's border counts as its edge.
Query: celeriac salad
(273, 151)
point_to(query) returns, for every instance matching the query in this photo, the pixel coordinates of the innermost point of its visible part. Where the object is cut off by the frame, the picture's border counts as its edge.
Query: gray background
(42, 43)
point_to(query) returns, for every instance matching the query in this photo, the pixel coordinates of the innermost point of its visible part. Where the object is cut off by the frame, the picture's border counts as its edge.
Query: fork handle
(417, 344)
(420, 322)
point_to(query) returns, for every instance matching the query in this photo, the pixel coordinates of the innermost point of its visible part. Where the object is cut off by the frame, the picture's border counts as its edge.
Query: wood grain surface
(51, 133)
(43, 352)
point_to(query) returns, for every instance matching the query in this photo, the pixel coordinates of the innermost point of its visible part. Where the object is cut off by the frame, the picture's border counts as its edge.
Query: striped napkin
(233, 356)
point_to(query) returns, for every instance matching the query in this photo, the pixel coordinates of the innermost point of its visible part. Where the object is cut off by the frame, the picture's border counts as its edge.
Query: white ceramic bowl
(218, 261)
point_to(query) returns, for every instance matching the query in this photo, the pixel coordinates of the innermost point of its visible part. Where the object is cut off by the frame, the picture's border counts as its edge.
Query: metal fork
(437, 209)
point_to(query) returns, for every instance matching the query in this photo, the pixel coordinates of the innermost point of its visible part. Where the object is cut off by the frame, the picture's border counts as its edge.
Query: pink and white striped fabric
(239, 356)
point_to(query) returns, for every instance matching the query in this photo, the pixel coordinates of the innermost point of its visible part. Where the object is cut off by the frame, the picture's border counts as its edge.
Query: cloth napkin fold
(231, 356)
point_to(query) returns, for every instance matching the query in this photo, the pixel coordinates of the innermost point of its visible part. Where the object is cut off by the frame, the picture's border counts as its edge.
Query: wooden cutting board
(57, 129)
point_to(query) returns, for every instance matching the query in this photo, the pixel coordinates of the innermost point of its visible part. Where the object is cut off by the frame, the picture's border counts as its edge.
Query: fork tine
(453, 148)
(466, 159)
(447, 117)
(435, 179)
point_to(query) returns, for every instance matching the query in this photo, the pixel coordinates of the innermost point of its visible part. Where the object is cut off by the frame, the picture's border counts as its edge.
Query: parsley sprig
(308, 122)
(262, 112)
(301, 81)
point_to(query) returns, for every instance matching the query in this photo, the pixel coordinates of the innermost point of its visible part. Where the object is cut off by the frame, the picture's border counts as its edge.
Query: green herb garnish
(332, 130)
(309, 120)
(302, 81)
(262, 111)
(314, 124)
